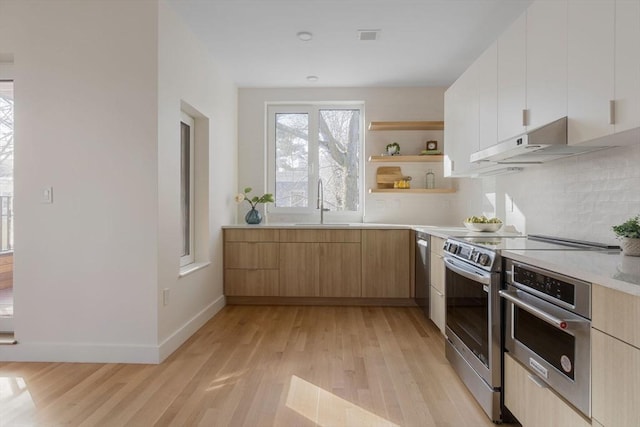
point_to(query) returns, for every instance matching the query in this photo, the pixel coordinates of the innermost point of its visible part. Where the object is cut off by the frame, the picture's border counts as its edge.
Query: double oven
(540, 317)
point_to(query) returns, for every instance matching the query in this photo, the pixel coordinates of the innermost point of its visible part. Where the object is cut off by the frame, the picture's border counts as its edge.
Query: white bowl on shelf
(481, 226)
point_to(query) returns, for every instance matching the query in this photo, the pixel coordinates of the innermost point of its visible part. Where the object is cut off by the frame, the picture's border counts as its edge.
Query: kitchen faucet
(321, 200)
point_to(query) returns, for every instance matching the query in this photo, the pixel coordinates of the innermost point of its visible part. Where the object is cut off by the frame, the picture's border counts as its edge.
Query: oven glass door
(555, 346)
(468, 313)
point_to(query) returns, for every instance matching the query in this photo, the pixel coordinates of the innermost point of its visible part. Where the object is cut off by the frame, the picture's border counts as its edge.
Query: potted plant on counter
(253, 216)
(629, 235)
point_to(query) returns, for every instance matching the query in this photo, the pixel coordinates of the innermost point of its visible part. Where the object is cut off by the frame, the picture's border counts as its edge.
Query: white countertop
(613, 270)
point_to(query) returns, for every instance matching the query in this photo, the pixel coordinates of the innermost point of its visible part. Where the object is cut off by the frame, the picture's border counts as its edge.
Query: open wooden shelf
(412, 190)
(423, 125)
(393, 159)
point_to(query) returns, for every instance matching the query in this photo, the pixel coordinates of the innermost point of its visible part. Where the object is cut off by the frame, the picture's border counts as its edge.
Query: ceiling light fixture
(368, 35)
(305, 36)
(312, 79)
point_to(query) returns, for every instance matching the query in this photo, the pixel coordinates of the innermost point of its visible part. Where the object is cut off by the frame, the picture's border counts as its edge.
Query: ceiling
(421, 42)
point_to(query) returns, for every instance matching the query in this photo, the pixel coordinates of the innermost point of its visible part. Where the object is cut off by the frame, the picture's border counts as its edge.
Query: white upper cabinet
(590, 69)
(546, 62)
(487, 69)
(461, 123)
(627, 65)
(512, 60)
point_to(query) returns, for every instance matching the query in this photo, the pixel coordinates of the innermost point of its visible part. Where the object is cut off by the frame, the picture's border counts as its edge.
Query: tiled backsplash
(579, 197)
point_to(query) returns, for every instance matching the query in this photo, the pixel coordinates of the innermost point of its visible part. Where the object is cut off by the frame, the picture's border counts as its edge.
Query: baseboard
(175, 340)
(382, 302)
(109, 353)
(80, 353)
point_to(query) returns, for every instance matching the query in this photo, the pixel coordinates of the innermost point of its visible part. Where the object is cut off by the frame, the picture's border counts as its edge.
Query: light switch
(46, 195)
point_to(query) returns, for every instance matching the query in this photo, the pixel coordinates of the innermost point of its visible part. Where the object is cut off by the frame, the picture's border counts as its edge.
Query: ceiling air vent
(368, 35)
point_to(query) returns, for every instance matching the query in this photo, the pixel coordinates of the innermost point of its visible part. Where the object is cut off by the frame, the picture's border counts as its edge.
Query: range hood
(540, 145)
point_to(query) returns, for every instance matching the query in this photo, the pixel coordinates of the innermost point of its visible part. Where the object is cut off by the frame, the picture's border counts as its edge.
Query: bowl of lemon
(482, 223)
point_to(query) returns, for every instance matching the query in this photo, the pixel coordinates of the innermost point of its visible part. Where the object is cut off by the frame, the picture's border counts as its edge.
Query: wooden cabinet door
(532, 403)
(437, 309)
(437, 303)
(590, 69)
(546, 89)
(299, 269)
(340, 270)
(512, 62)
(386, 264)
(615, 382)
(627, 65)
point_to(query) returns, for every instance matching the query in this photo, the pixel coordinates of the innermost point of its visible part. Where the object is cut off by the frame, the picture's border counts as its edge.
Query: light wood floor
(261, 366)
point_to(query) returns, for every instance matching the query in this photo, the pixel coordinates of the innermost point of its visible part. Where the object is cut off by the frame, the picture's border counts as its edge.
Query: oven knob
(484, 259)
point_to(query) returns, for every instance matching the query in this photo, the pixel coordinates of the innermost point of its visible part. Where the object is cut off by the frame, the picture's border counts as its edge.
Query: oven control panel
(478, 256)
(551, 286)
(565, 291)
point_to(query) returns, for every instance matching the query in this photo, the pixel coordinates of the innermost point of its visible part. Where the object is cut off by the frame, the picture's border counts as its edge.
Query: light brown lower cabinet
(437, 301)
(251, 262)
(533, 403)
(437, 307)
(319, 263)
(322, 263)
(616, 381)
(251, 282)
(615, 357)
(386, 263)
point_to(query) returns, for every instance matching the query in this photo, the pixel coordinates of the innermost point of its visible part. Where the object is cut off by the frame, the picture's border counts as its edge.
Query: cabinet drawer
(532, 403)
(250, 255)
(437, 272)
(251, 235)
(319, 236)
(258, 282)
(616, 313)
(616, 381)
(436, 245)
(437, 308)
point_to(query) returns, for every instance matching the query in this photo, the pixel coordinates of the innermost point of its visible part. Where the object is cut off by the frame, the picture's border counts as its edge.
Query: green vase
(253, 216)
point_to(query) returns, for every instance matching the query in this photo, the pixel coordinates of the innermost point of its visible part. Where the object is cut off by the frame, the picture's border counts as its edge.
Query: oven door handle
(512, 296)
(484, 279)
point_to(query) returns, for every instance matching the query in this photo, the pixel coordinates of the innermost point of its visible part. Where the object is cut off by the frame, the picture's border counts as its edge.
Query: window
(187, 125)
(6, 165)
(311, 142)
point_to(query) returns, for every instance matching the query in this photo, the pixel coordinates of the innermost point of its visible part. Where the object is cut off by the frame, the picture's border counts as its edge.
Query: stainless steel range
(473, 347)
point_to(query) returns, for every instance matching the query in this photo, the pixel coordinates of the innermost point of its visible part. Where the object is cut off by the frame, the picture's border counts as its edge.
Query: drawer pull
(537, 381)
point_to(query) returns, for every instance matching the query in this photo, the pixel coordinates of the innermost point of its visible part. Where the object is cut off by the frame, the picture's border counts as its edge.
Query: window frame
(189, 258)
(313, 111)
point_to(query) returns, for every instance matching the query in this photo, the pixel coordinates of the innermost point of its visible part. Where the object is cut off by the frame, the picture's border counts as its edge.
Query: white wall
(381, 104)
(86, 95)
(580, 197)
(187, 74)
(98, 88)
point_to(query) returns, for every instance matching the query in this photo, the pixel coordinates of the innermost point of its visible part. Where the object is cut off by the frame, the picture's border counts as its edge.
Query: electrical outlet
(165, 296)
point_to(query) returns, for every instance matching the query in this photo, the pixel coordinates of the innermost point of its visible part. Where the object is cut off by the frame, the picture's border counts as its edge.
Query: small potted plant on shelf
(253, 216)
(393, 149)
(629, 235)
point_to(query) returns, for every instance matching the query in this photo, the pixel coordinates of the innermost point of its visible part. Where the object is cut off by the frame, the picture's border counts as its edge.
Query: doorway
(6, 205)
